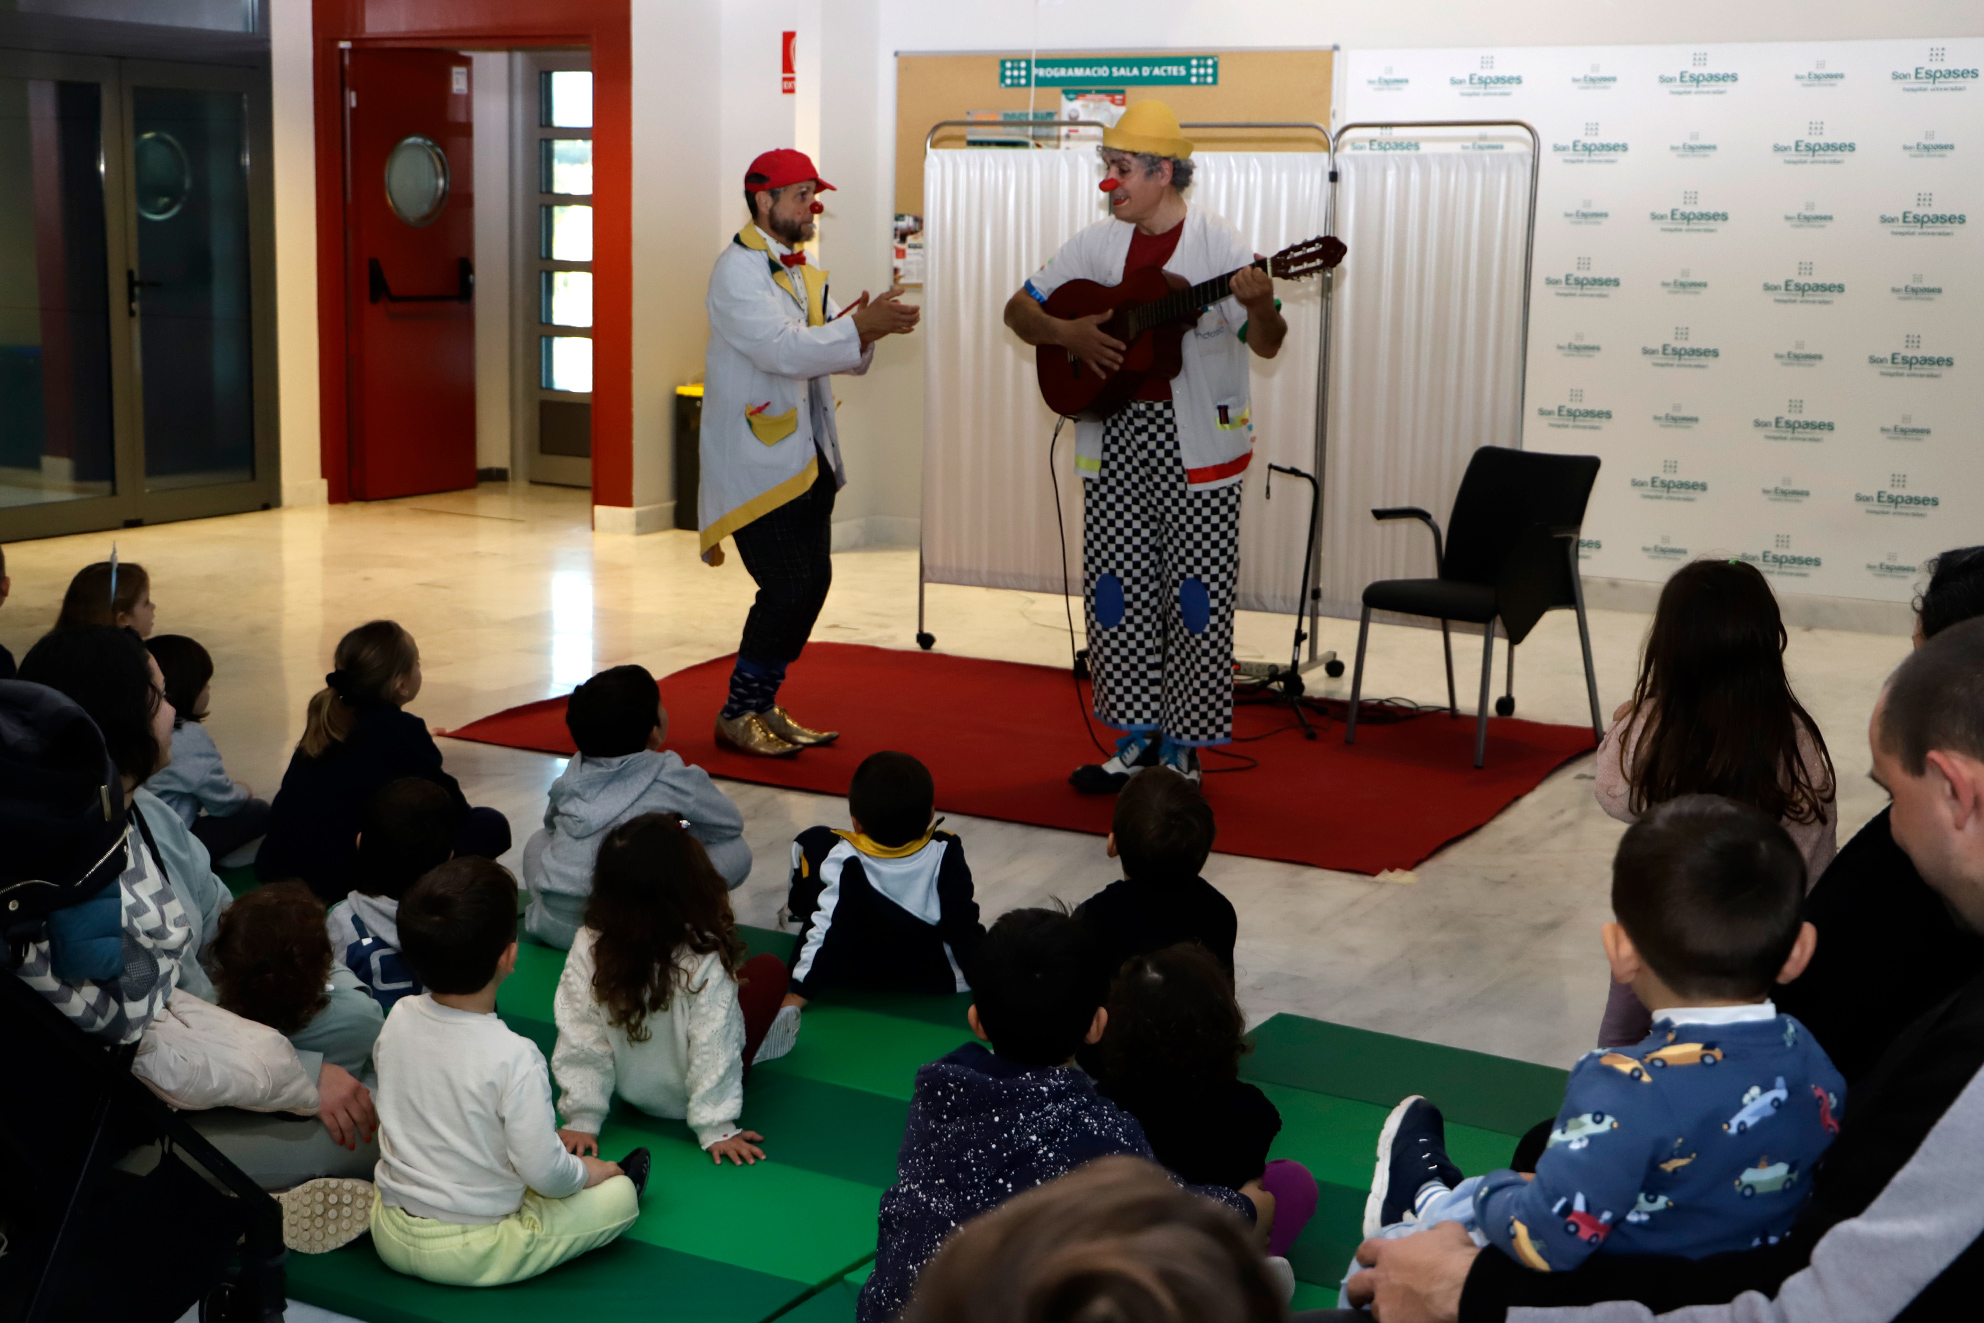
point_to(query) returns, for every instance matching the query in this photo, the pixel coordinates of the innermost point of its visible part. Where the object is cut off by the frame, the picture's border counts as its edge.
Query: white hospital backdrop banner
(991, 219)
(1425, 364)
(1751, 268)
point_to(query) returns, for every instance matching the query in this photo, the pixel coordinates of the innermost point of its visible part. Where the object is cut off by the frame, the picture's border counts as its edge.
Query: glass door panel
(554, 307)
(57, 429)
(189, 286)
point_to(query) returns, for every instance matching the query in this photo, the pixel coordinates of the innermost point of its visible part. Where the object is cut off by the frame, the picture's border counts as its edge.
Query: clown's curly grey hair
(1181, 167)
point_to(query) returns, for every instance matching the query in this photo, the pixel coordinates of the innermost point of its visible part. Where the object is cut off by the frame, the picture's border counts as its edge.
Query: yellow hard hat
(1148, 126)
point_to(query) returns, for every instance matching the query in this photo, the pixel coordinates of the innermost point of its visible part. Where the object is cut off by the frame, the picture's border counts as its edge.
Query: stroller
(111, 1205)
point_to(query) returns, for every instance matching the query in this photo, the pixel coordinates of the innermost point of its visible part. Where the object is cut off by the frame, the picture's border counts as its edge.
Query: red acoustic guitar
(1151, 310)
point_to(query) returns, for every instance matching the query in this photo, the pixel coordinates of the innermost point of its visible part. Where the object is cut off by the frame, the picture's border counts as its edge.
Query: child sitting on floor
(1170, 1056)
(195, 780)
(1697, 1140)
(473, 1187)
(622, 771)
(986, 1125)
(657, 1002)
(356, 738)
(408, 832)
(107, 593)
(887, 906)
(272, 964)
(1162, 831)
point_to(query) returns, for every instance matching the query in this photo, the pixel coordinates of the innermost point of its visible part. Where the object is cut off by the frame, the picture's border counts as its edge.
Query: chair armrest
(1414, 512)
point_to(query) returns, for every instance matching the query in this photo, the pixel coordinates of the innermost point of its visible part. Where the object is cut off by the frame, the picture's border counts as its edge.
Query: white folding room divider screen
(1426, 353)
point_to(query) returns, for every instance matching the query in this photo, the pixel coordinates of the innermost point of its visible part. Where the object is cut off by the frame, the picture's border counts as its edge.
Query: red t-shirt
(1152, 250)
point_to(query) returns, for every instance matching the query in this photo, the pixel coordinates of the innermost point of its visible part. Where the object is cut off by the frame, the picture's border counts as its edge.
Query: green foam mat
(790, 1238)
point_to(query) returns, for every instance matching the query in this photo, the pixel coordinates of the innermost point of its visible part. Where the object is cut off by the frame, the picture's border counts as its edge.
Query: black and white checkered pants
(1159, 565)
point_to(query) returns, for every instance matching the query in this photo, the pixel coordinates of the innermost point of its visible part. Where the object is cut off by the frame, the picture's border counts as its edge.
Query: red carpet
(1000, 738)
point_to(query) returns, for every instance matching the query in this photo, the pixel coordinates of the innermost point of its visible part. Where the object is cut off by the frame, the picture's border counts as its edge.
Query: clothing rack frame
(1522, 348)
(926, 640)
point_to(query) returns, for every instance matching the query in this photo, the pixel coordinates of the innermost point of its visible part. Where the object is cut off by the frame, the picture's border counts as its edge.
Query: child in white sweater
(657, 1002)
(473, 1187)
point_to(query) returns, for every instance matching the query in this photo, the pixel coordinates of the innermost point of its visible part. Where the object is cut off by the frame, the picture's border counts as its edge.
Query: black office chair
(1511, 553)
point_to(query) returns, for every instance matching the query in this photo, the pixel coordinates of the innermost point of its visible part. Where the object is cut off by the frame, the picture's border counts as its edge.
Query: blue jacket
(1699, 1140)
(981, 1130)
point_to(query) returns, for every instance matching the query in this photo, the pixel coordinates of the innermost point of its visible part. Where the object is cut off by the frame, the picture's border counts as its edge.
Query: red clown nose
(816, 208)
(1108, 186)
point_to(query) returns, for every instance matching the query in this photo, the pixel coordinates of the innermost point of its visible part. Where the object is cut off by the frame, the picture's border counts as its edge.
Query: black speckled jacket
(981, 1130)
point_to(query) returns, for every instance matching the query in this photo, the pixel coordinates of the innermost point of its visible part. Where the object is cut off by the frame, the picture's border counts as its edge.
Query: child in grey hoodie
(621, 771)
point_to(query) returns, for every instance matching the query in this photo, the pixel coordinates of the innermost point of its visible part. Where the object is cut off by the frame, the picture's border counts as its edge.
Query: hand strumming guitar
(1253, 288)
(884, 316)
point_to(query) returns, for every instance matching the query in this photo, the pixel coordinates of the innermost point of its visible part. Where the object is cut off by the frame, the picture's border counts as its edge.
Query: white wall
(295, 171)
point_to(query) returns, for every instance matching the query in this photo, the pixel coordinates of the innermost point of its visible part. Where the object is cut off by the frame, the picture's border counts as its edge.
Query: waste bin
(688, 452)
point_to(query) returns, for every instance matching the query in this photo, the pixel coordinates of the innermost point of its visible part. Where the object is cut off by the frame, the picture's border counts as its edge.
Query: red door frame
(603, 26)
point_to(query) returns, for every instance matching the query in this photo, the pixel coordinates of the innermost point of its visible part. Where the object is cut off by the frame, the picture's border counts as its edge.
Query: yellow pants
(539, 1236)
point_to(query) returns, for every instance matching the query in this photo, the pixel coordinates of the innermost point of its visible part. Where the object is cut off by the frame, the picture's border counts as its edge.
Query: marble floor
(512, 599)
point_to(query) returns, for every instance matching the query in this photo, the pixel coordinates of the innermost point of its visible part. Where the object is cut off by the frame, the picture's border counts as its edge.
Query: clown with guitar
(1163, 468)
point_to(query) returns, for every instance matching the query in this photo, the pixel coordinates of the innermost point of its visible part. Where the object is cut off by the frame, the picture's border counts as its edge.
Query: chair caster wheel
(1334, 669)
(1505, 706)
(926, 641)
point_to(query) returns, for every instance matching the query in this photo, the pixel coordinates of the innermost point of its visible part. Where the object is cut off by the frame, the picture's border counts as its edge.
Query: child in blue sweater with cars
(1697, 1140)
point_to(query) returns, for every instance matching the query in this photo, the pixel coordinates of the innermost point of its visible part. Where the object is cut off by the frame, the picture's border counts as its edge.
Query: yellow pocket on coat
(772, 428)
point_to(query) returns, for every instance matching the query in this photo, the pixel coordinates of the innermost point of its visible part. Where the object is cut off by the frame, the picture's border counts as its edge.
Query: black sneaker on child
(635, 1168)
(1412, 1150)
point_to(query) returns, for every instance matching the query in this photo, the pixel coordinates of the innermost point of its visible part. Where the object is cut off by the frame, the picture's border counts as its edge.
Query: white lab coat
(768, 410)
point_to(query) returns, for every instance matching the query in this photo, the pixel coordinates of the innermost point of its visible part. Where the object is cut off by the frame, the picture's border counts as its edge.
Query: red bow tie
(794, 259)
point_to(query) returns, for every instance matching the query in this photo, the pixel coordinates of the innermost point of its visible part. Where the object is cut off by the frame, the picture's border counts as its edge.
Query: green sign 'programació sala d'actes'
(1112, 71)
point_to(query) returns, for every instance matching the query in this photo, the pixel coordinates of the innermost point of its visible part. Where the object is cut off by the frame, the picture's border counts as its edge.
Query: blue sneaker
(1412, 1153)
(1134, 752)
(1180, 758)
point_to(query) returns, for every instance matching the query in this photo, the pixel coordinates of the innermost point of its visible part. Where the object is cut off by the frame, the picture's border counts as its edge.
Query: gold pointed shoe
(750, 734)
(781, 724)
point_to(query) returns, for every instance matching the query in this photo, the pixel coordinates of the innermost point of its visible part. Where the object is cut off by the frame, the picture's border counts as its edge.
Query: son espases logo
(1934, 76)
(1781, 560)
(1804, 288)
(1896, 500)
(1664, 550)
(1792, 425)
(1690, 217)
(1913, 290)
(1807, 150)
(1579, 150)
(1675, 420)
(1575, 413)
(1798, 356)
(1907, 429)
(1783, 493)
(1666, 487)
(1698, 81)
(1911, 361)
(1485, 80)
(1668, 354)
(1925, 217)
(1581, 284)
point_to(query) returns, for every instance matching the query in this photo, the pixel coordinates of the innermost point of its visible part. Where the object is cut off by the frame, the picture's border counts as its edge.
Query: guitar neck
(1183, 303)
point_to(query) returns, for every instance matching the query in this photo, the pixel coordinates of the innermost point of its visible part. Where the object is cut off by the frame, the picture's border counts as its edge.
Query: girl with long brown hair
(1713, 713)
(109, 594)
(358, 738)
(657, 1002)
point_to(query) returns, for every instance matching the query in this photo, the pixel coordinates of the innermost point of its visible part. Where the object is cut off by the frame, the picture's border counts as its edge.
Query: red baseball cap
(782, 167)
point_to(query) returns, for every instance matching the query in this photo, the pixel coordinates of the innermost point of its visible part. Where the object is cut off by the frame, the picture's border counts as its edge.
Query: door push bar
(383, 293)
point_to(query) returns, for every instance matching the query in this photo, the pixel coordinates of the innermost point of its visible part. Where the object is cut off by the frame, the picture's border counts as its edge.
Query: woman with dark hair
(1713, 714)
(657, 1002)
(1170, 1056)
(172, 905)
(107, 673)
(1888, 946)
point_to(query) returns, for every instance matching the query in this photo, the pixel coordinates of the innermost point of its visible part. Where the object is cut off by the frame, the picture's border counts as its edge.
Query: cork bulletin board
(1251, 85)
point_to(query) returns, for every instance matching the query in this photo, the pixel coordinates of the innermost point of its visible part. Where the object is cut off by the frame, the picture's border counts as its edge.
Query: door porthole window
(165, 176)
(417, 180)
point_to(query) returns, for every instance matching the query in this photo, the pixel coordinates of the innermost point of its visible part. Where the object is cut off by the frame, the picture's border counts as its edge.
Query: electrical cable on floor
(1068, 592)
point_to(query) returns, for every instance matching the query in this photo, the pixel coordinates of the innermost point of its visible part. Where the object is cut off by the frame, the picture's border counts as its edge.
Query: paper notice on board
(908, 248)
(1099, 107)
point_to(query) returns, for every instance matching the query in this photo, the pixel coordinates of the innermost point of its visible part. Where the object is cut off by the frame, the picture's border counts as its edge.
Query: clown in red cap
(771, 462)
